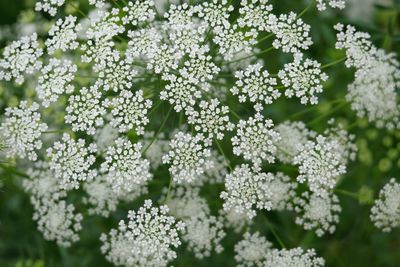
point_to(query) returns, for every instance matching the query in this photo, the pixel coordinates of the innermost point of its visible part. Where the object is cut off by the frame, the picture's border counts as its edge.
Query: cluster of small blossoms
(55, 218)
(124, 167)
(255, 139)
(303, 78)
(247, 190)
(385, 214)
(63, 35)
(129, 110)
(293, 136)
(251, 250)
(318, 212)
(320, 163)
(147, 239)
(21, 130)
(71, 161)
(19, 58)
(255, 85)
(49, 6)
(204, 232)
(293, 257)
(55, 80)
(373, 92)
(339, 4)
(188, 156)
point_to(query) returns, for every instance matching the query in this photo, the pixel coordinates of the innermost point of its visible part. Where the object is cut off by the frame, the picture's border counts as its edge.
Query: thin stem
(333, 63)
(246, 57)
(306, 9)
(265, 37)
(13, 171)
(346, 193)
(78, 10)
(159, 130)
(302, 112)
(333, 110)
(274, 233)
(169, 189)
(223, 154)
(235, 114)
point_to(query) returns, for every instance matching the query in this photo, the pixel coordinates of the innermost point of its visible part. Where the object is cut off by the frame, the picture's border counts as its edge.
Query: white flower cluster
(49, 6)
(204, 232)
(188, 156)
(56, 219)
(84, 111)
(293, 136)
(124, 167)
(255, 85)
(63, 35)
(70, 161)
(21, 130)
(251, 250)
(295, 257)
(55, 80)
(303, 78)
(255, 14)
(318, 212)
(147, 239)
(212, 120)
(255, 139)
(247, 190)
(138, 12)
(321, 4)
(385, 214)
(320, 163)
(129, 110)
(20, 57)
(373, 92)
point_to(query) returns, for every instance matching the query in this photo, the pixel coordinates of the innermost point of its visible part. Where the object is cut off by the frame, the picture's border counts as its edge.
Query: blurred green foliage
(356, 242)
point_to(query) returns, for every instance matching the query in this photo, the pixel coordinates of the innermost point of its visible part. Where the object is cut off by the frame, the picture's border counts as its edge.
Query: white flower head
(252, 250)
(70, 161)
(138, 12)
(63, 35)
(318, 212)
(124, 167)
(255, 14)
(385, 214)
(49, 6)
(303, 78)
(188, 156)
(147, 239)
(295, 257)
(21, 129)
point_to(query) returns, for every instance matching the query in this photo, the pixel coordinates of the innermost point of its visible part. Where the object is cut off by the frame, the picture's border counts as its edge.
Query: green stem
(333, 63)
(274, 233)
(333, 110)
(159, 130)
(346, 193)
(306, 9)
(223, 154)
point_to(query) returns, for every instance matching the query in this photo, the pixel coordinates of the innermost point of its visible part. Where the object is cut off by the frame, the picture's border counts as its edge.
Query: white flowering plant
(257, 133)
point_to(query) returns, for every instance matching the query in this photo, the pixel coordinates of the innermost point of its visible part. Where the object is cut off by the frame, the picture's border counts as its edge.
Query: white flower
(214, 12)
(292, 34)
(58, 221)
(246, 190)
(21, 129)
(20, 57)
(124, 167)
(255, 14)
(158, 147)
(70, 161)
(212, 120)
(339, 4)
(256, 140)
(231, 40)
(85, 111)
(188, 158)
(295, 257)
(385, 214)
(320, 163)
(147, 239)
(293, 136)
(105, 26)
(236, 221)
(143, 42)
(138, 12)
(199, 69)
(63, 35)
(49, 6)
(164, 59)
(303, 78)
(180, 93)
(55, 79)
(115, 74)
(128, 111)
(252, 250)
(105, 137)
(103, 200)
(318, 212)
(256, 85)
(282, 192)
